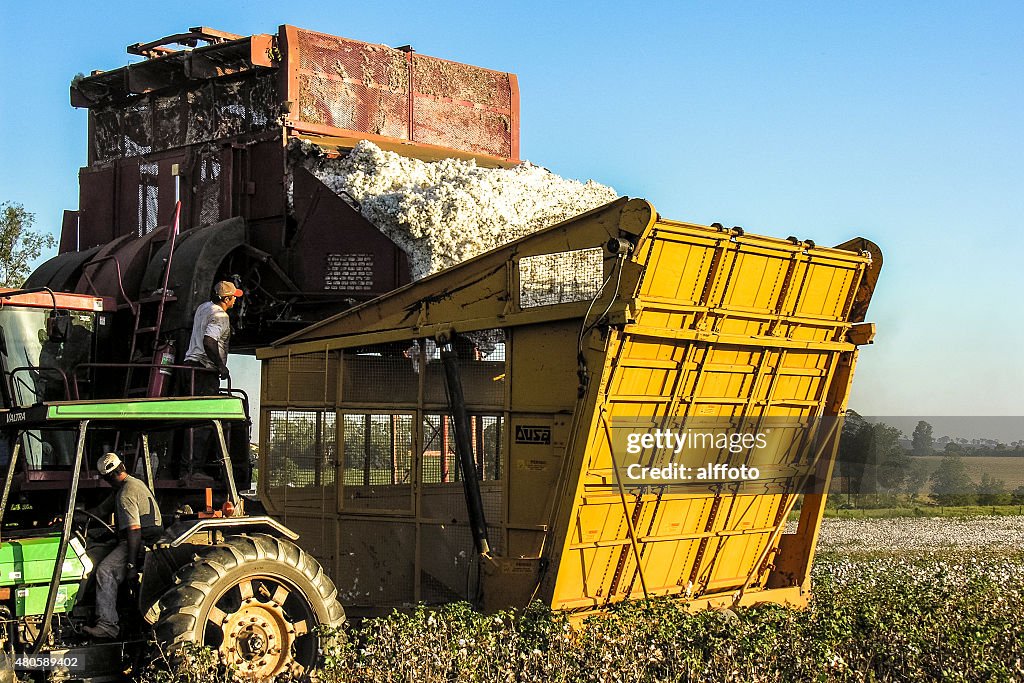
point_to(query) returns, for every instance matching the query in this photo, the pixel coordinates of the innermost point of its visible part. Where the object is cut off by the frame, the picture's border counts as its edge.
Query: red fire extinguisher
(160, 373)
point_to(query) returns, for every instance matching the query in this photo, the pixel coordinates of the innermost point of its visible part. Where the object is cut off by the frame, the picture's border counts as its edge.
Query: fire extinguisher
(160, 373)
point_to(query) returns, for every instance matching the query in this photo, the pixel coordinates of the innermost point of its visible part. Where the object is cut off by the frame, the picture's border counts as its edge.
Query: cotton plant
(922, 533)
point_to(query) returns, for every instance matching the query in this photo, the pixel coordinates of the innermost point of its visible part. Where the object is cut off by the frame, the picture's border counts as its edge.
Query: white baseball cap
(225, 288)
(108, 463)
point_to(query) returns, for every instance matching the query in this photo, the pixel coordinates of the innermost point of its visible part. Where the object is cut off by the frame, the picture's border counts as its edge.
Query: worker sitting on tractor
(138, 521)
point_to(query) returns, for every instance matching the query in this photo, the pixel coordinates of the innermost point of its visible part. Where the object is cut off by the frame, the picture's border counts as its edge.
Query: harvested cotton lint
(443, 212)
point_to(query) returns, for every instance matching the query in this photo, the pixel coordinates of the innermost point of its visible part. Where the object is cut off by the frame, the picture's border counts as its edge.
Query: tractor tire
(256, 600)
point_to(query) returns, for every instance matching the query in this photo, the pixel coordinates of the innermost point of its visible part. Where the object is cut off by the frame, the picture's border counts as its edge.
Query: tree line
(871, 462)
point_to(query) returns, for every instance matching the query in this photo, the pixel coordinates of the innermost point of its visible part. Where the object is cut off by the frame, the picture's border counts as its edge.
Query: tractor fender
(184, 539)
(185, 531)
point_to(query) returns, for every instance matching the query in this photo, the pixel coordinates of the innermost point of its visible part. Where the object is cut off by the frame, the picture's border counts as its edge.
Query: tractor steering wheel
(97, 519)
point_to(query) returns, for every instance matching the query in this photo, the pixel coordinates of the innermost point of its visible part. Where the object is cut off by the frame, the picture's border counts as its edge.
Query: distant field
(1010, 470)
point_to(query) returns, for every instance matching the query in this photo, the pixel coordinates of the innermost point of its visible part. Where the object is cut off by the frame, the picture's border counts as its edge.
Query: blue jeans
(110, 574)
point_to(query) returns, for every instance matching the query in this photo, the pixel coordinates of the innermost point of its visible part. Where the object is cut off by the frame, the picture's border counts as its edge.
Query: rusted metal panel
(96, 202)
(462, 106)
(128, 190)
(337, 251)
(68, 232)
(264, 178)
(196, 112)
(349, 85)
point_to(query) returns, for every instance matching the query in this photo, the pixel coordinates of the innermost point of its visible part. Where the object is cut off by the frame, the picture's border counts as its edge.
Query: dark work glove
(224, 374)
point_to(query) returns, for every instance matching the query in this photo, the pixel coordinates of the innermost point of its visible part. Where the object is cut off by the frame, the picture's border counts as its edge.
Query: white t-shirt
(211, 321)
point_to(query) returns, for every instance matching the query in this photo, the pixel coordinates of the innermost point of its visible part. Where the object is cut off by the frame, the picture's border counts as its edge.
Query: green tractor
(220, 578)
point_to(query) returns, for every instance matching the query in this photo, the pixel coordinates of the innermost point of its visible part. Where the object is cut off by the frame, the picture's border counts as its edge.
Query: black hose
(464, 447)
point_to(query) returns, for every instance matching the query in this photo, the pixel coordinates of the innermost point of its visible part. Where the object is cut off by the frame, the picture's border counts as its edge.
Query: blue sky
(900, 122)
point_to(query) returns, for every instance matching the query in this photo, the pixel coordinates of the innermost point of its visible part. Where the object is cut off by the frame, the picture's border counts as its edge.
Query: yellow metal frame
(695, 323)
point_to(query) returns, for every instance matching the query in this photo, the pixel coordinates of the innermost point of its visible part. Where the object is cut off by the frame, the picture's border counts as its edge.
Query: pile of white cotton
(444, 212)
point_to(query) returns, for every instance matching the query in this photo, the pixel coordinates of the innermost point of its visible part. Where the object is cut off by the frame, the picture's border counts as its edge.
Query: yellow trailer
(612, 382)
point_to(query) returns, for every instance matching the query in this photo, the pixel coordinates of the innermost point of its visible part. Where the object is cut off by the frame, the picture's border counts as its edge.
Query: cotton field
(894, 600)
(923, 533)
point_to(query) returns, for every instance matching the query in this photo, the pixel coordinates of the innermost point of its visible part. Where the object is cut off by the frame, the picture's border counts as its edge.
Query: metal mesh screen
(440, 78)
(352, 85)
(452, 124)
(316, 536)
(442, 117)
(301, 458)
(378, 461)
(306, 378)
(209, 111)
(208, 189)
(357, 86)
(170, 124)
(149, 197)
(375, 562)
(199, 101)
(350, 272)
(449, 566)
(387, 373)
(481, 365)
(137, 130)
(439, 458)
(560, 278)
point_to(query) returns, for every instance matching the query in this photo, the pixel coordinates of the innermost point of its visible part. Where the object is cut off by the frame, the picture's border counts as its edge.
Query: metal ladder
(142, 332)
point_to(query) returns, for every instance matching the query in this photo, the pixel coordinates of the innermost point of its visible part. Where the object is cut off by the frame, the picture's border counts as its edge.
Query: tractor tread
(177, 615)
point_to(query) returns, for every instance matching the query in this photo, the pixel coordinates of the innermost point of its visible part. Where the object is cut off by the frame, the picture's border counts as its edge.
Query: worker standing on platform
(211, 334)
(208, 357)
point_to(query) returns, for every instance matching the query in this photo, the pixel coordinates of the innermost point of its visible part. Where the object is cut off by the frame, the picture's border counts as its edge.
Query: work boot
(101, 631)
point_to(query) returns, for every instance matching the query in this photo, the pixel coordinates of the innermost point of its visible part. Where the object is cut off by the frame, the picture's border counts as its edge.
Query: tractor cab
(49, 343)
(48, 456)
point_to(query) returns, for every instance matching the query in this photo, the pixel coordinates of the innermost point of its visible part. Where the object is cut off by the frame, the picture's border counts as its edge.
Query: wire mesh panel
(376, 563)
(353, 85)
(199, 100)
(560, 278)
(170, 120)
(440, 459)
(207, 192)
(462, 106)
(203, 112)
(137, 130)
(149, 197)
(385, 373)
(378, 450)
(349, 272)
(481, 367)
(301, 458)
(447, 569)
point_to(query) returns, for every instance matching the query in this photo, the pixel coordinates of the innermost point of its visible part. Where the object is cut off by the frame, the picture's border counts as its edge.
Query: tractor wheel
(256, 600)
